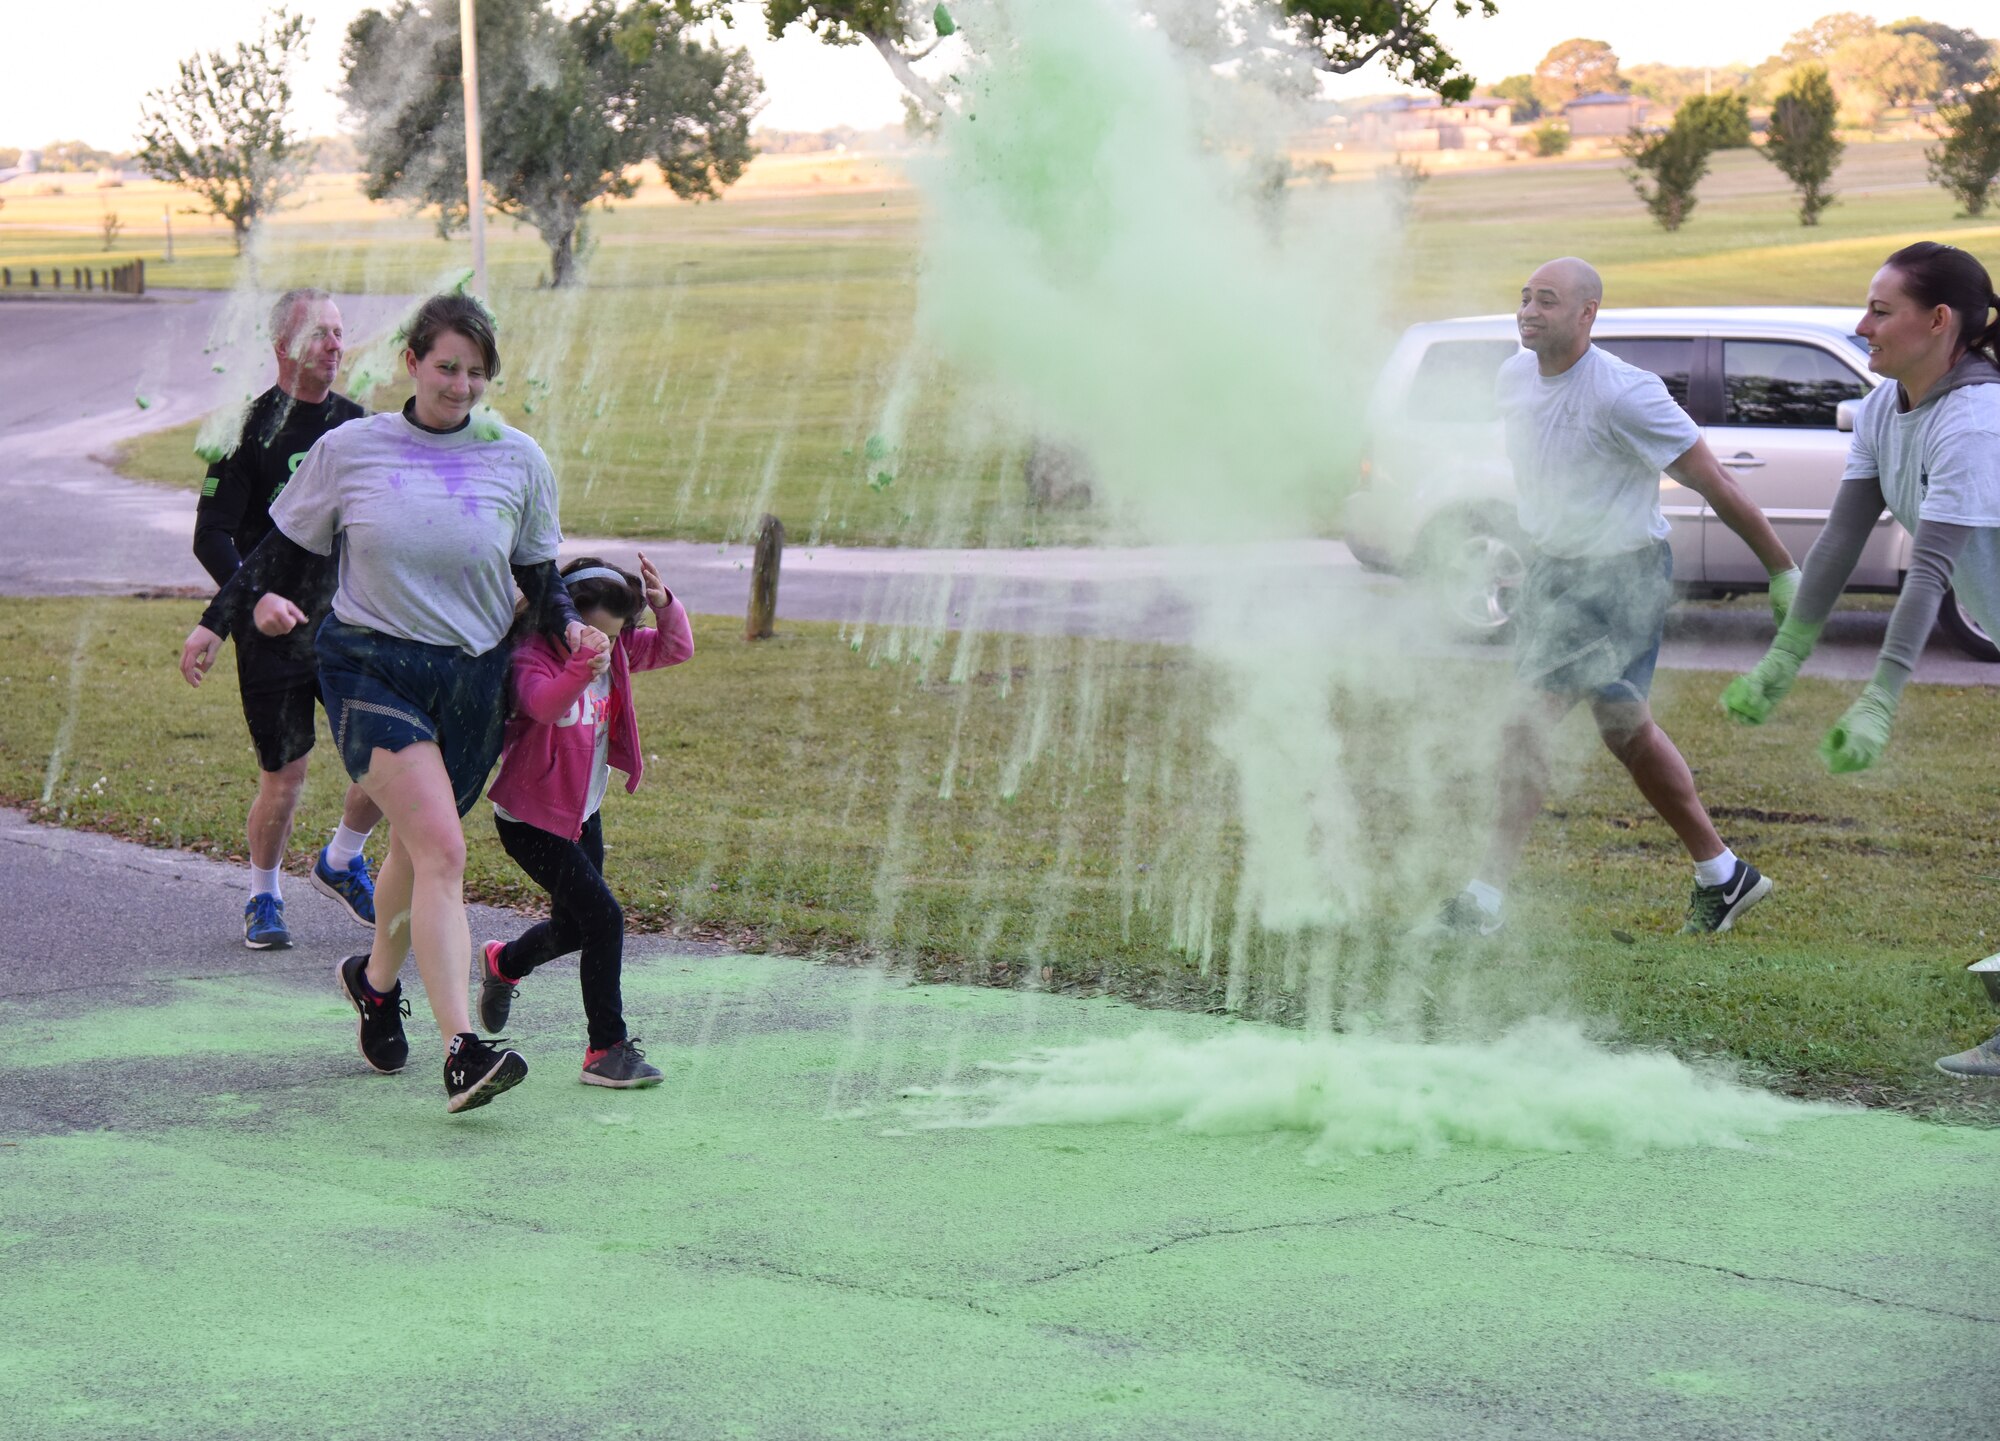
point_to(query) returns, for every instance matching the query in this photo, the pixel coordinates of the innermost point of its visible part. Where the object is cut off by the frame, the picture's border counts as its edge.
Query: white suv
(1770, 387)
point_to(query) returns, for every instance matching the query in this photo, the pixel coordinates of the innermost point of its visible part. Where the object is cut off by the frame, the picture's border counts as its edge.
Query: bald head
(1558, 304)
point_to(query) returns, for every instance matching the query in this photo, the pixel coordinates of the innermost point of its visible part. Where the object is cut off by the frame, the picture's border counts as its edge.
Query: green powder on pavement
(1541, 1087)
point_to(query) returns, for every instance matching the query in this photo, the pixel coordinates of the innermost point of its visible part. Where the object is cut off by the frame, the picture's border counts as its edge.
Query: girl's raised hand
(656, 589)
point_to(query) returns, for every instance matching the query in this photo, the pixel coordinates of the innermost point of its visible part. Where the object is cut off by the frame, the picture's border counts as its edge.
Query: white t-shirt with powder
(1940, 462)
(1587, 448)
(430, 525)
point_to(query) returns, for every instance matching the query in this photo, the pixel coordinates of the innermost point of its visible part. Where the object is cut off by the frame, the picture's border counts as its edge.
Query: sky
(133, 45)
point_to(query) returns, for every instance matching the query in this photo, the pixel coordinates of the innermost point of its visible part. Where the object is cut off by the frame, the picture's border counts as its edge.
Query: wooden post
(34, 278)
(764, 578)
(139, 276)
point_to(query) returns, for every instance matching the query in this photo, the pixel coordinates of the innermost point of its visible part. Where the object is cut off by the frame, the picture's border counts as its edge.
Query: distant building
(1605, 113)
(1423, 122)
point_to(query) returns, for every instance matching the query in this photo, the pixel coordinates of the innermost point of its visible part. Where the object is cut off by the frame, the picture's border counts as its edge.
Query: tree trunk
(562, 259)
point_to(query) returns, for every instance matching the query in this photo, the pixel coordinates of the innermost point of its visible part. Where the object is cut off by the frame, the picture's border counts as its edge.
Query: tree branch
(899, 63)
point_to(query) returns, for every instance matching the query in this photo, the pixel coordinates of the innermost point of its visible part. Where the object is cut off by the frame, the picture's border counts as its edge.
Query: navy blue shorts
(1590, 628)
(383, 691)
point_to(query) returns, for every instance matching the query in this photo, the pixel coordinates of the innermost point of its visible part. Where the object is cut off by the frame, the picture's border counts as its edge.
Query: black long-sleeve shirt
(234, 514)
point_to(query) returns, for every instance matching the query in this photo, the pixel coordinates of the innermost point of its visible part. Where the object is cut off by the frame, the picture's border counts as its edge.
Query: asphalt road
(216, 1223)
(70, 372)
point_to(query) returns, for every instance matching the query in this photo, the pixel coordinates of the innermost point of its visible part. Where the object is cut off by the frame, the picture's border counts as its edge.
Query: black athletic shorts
(278, 698)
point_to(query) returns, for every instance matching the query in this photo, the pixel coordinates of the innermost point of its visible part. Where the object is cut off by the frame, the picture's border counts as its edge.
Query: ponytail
(1987, 342)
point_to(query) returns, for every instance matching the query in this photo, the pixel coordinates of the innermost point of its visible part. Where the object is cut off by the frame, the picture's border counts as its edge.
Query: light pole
(475, 202)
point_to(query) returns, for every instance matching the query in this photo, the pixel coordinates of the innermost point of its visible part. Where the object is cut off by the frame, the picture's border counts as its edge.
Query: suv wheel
(1965, 632)
(1474, 564)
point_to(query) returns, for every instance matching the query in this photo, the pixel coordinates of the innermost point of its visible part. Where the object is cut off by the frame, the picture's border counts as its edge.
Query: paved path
(69, 372)
(215, 1222)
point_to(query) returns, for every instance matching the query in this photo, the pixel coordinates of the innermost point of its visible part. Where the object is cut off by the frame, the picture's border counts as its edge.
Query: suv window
(1671, 360)
(1454, 381)
(1772, 382)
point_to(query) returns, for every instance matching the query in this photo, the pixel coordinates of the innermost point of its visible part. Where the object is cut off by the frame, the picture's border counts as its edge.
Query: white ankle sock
(1717, 871)
(345, 846)
(1488, 896)
(266, 883)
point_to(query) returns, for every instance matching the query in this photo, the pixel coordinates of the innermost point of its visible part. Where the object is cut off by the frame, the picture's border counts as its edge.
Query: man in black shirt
(278, 676)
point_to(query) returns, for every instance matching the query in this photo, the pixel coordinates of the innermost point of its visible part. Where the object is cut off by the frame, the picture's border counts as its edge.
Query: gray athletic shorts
(1590, 628)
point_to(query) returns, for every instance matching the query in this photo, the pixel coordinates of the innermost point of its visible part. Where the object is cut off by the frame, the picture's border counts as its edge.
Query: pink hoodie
(545, 767)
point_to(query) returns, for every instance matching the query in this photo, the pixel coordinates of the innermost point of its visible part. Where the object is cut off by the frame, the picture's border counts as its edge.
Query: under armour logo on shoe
(458, 1078)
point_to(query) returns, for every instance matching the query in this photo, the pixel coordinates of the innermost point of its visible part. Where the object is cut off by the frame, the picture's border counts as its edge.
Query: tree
(1966, 159)
(1666, 167)
(1801, 142)
(1967, 58)
(1674, 85)
(1519, 92)
(1824, 36)
(1338, 36)
(223, 128)
(75, 156)
(586, 99)
(1874, 72)
(1575, 68)
(1722, 120)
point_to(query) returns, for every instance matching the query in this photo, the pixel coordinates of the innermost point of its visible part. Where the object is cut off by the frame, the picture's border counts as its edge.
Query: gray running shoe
(1463, 916)
(1982, 1061)
(496, 992)
(623, 1066)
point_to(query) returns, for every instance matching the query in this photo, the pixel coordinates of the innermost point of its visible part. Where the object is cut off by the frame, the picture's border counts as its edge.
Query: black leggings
(583, 915)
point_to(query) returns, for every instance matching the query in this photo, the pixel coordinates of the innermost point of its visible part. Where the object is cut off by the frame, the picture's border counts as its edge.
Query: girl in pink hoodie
(573, 721)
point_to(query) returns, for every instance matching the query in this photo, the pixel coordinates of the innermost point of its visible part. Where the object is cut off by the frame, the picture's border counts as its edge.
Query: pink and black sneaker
(383, 1045)
(496, 992)
(623, 1066)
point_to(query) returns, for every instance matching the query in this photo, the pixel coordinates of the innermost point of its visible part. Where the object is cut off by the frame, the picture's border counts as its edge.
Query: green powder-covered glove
(1858, 738)
(1784, 590)
(1751, 698)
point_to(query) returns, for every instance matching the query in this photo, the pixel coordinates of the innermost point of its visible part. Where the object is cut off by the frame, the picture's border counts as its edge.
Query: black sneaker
(1463, 916)
(496, 992)
(623, 1066)
(1717, 908)
(383, 1044)
(476, 1071)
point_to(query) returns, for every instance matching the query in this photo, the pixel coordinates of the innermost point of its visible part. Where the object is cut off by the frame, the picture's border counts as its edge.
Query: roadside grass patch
(1045, 819)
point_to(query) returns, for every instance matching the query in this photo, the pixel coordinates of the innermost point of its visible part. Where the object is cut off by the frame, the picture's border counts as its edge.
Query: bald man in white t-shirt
(1588, 436)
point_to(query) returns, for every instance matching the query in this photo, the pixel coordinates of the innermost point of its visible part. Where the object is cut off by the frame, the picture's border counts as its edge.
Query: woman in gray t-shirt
(435, 520)
(1926, 448)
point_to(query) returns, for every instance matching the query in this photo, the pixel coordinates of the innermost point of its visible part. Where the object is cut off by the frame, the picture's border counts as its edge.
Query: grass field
(1056, 817)
(734, 358)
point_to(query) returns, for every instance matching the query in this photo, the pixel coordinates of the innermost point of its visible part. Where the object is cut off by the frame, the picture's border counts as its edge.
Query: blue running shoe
(264, 924)
(351, 886)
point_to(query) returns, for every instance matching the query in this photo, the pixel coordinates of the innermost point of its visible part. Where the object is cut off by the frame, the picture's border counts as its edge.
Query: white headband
(598, 572)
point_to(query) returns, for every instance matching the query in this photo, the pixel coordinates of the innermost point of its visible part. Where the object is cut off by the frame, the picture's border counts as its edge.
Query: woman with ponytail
(1927, 447)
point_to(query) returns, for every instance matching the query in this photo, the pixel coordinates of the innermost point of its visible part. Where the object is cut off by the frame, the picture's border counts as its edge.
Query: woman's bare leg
(424, 877)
